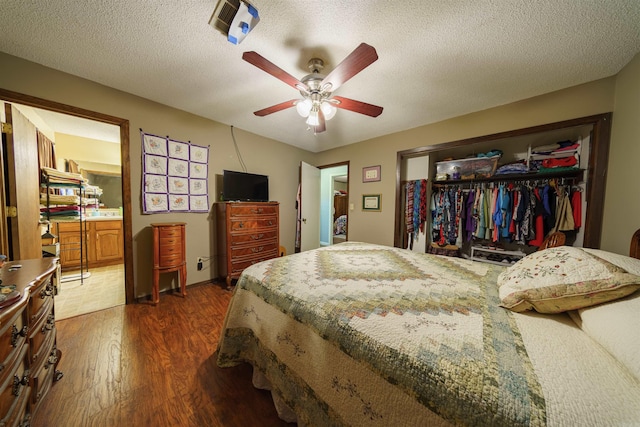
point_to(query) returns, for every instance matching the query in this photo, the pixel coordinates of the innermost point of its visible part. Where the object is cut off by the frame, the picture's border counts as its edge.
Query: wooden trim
(597, 172)
(32, 101)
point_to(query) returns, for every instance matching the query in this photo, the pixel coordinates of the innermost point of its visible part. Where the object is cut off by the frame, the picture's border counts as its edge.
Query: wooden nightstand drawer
(169, 232)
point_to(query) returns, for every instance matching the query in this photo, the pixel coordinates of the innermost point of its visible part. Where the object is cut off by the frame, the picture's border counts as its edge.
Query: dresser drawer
(14, 385)
(171, 259)
(41, 339)
(42, 375)
(257, 236)
(17, 414)
(169, 232)
(41, 294)
(239, 264)
(244, 224)
(242, 209)
(13, 333)
(254, 249)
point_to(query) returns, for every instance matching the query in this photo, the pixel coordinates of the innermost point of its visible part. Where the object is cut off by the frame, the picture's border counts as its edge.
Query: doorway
(123, 130)
(334, 201)
(315, 221)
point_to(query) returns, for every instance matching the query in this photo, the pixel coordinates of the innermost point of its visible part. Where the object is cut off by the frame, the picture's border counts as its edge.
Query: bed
(362, 334)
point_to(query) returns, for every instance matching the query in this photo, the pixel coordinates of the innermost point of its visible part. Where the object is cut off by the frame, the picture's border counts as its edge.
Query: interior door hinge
(11, 211)
(6, 128)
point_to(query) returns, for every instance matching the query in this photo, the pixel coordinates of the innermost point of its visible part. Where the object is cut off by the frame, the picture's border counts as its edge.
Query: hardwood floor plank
(143, 365)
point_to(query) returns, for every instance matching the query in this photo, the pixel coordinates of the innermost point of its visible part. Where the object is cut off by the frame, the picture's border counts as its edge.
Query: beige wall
(622, 200)
(89, 153)
(377, 227)
(261, 155)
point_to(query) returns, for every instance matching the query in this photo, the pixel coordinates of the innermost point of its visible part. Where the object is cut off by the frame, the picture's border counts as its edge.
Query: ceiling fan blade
(269, 67)
(363, 56)
(357, 106)
(276, 108)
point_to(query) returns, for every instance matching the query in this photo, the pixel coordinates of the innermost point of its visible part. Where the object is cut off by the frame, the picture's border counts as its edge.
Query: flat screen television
(244, 187)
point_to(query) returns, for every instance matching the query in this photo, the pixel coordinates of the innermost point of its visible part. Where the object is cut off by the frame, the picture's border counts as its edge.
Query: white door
(309, 207)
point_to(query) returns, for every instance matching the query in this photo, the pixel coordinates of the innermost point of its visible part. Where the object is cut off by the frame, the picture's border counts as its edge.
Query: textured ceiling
(437, 59)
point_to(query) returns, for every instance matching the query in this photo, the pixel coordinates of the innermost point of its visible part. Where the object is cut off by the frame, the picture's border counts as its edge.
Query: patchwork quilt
(361, 334)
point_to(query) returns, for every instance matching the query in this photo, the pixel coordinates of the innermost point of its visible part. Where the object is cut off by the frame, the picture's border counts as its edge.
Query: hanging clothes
(576, 206)
(564, 213)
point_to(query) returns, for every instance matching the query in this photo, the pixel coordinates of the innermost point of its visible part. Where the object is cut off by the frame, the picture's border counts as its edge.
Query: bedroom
(617, 93)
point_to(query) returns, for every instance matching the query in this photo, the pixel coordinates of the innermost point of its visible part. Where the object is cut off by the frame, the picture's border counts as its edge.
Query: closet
(590, 178)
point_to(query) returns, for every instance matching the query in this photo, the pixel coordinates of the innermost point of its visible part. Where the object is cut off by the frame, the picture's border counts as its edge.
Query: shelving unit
(76, 185)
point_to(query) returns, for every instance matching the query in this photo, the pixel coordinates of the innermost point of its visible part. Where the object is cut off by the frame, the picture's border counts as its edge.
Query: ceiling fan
(317, 103)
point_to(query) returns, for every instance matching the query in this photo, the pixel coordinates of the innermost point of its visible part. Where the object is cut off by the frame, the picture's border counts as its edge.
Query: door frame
(333, 165)
(32, 101)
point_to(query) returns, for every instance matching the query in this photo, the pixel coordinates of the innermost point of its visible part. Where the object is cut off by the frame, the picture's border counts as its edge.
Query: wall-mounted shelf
(571, 174)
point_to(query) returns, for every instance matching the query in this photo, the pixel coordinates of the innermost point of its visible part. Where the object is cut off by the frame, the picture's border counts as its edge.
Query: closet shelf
(577, 173)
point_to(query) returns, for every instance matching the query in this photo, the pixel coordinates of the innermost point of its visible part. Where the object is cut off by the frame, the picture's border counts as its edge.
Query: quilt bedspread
(430, 327)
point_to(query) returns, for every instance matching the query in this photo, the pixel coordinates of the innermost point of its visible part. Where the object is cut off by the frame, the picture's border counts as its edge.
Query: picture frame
(371, 173)
(371, 202)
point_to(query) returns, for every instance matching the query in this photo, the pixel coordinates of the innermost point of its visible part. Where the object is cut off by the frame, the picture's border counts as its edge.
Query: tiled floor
(104, 288)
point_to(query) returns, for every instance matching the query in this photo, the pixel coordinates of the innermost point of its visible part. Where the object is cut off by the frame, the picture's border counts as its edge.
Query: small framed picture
(371, 173)
(371, 202)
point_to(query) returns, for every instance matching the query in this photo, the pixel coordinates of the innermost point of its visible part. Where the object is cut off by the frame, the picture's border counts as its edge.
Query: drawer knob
(15, 333)
(258, 249)
(51, 322)
(19, 382)
(52, 359)
(47, 291)
(258, 237)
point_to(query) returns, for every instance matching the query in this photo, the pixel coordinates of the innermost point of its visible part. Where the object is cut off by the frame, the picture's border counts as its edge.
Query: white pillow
(615, 326)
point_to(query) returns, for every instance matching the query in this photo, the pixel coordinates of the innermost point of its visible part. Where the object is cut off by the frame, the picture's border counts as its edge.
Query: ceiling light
(328, 109)
(313, 119)
(304, 107)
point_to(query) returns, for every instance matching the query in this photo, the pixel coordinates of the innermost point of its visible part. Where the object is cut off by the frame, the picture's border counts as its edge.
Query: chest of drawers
(28, 351)
(247, 233)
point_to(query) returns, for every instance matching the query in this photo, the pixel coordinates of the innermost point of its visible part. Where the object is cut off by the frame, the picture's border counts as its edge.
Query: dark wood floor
(145, 365)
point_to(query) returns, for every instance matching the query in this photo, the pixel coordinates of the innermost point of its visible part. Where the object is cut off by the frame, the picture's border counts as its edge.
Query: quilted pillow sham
(563, 278)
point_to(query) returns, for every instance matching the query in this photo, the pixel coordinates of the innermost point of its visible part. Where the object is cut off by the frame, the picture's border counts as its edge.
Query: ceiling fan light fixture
(328, 109)
(303, 107)
(313, 119)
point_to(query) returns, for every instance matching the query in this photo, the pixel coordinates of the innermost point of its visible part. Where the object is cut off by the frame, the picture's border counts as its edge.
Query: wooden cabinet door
(108, 245)
(70, 249)
(108, 241)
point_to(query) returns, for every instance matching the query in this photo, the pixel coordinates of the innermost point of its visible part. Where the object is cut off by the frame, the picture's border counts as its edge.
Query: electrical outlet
(199, 263)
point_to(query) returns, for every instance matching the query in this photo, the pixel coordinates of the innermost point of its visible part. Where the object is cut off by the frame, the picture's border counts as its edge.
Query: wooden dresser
(247, 233)
(28, 353)
(169, 254)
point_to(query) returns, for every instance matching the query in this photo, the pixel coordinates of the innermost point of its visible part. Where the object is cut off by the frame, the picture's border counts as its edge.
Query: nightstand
(169, 254)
